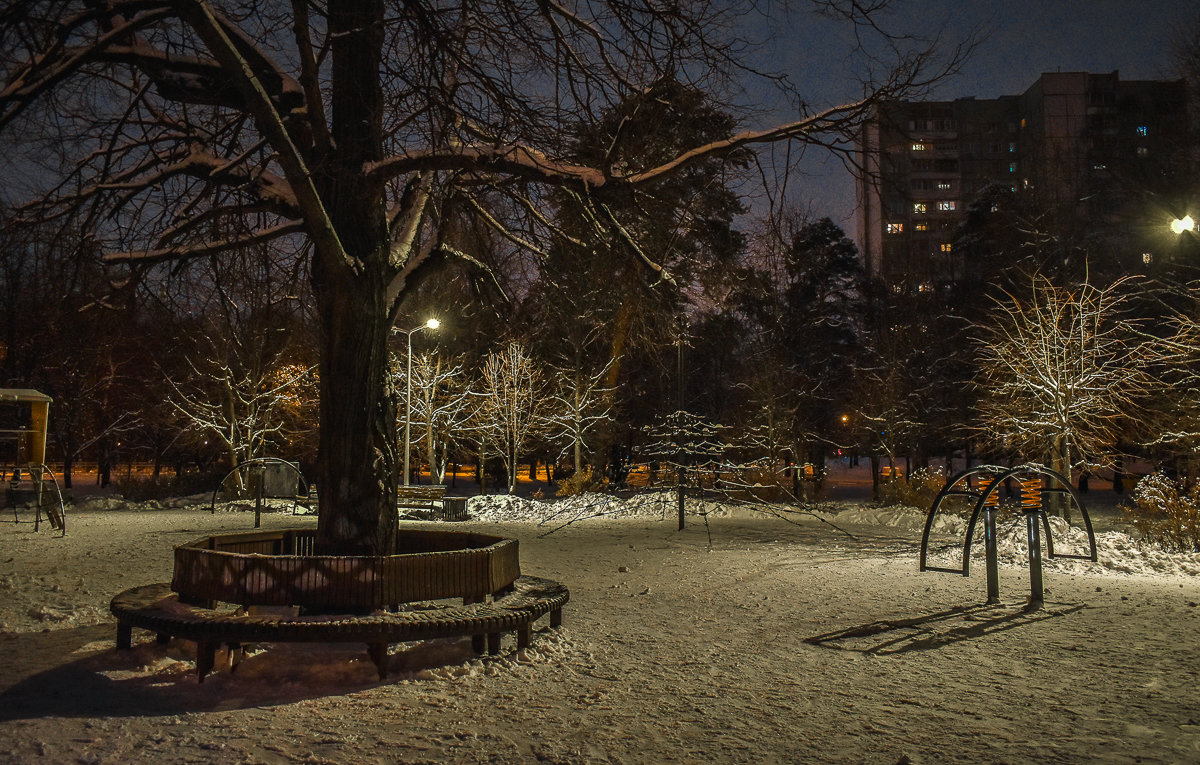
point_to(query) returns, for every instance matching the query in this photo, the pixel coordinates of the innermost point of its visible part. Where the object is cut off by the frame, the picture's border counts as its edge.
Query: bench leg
(124, 636)
(206, 652)
(493, 641)
(477, 643)
(237, 652)
(379, 655)
(524, 634)
(556, 618)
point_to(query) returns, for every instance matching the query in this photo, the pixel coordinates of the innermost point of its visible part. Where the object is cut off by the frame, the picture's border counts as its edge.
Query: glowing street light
(431, 324)
(1179, 225)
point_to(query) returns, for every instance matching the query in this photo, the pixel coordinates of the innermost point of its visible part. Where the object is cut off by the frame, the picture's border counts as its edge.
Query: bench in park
(432, 499)
(339, 598)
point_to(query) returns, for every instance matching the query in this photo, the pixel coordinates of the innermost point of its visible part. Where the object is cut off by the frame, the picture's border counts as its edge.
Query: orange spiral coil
(993, 499)
(1031, 494)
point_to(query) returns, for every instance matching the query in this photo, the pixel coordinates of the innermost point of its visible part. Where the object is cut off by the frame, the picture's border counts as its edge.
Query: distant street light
(431, 324)
(1179, 225)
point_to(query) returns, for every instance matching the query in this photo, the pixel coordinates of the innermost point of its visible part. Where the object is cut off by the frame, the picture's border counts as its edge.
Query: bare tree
(512, 404)
(579, 403)
(371, 129)
(1174, 412)
(243, 409)
(441, 407)
(1062, 373)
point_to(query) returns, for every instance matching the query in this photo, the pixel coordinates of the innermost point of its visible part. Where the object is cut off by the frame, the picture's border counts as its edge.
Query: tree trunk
(1060, 462)
(357, 457)
(357, 464)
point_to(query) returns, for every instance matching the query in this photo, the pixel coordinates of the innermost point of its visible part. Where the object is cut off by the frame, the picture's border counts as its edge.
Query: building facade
(1101, 152)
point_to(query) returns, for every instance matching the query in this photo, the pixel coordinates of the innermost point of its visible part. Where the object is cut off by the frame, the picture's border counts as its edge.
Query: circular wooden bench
(284, 594)
(156, 608)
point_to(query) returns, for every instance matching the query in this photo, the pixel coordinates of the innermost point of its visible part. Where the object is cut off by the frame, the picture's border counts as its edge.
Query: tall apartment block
(1092, 145)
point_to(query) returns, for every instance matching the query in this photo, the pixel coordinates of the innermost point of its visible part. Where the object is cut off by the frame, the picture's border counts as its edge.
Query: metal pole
(407, 403)
(1031, 503)
(679, 423)
(989, 536)
(1036, 593)
(258, 497)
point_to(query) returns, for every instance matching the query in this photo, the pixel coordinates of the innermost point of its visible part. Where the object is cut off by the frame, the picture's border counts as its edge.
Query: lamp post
(431, 324)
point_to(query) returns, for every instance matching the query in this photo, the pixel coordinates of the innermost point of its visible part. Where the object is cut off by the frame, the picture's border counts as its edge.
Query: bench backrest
(264, 569)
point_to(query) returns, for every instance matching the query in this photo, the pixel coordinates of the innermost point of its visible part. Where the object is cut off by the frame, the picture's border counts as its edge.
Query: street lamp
(1179, 225)
(431, 324)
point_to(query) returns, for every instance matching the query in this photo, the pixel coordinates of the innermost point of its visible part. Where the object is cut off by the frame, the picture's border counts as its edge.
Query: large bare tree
(373, 129)
(1064, 372)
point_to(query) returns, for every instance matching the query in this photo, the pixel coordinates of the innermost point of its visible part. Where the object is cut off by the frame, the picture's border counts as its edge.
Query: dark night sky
(1021, 39)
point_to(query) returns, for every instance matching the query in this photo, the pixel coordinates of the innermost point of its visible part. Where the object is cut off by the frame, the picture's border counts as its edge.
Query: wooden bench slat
(156, 608)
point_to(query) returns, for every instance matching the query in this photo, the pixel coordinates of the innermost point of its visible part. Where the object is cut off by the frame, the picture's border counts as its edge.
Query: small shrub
(918, 491)
(580, 482)
(1165, 514)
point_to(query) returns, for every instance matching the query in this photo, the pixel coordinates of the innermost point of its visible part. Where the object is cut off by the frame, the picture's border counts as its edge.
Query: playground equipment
(263, 478)
(24, 415)
(982, 486)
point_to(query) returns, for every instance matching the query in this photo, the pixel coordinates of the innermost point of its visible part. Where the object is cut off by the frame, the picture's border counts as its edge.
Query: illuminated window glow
(895, 228)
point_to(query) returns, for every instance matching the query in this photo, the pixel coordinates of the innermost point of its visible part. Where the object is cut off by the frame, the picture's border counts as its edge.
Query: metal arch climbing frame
(987, 502)
(304, 490)
(56, 517)
(952, 489)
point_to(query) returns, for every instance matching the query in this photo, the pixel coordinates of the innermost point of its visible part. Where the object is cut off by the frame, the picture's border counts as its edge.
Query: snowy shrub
(581, 481)
(1165, 514)
(919, 490)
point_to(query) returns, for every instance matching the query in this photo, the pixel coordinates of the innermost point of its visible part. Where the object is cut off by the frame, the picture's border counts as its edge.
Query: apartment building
(1091, 146)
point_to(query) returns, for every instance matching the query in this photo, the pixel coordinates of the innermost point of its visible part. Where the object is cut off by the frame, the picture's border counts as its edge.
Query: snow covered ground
(755, 635)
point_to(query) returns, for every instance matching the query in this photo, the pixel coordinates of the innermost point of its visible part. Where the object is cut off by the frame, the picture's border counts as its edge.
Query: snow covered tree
(579, 403)
(243, 407)
(1063, 372)
(370, 129)
(682, 439)
(512, 404)
(441, 406)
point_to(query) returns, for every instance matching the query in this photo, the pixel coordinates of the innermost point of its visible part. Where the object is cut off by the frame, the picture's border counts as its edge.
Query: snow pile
(505, 508)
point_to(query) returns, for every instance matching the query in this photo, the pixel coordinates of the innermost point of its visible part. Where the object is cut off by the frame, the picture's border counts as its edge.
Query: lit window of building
(918, 207)
(1142, 151)
(1143, 131)
(895, 228)
(947, 205)
(946, 246)
(921, 226)
(925, 287)
(1147, 258)
(918, 147)
(1012, 167)
(943, 185)
(1012, 148)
